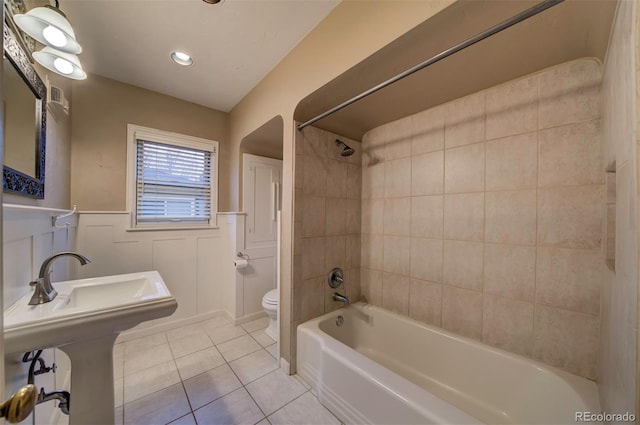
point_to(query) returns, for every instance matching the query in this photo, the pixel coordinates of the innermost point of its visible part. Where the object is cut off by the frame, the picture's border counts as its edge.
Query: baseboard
(249, 318)
(139, 333)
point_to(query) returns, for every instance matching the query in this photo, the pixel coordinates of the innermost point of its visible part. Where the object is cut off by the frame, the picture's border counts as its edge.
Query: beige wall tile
(396, 255)
(508, 324)
(509, 271)
(427, 130)
(352, 283)
(464, 217)
(397, 137)
(372, 251)
(464, 169)
(570, 93)
(297, 205)
(371, 284)
(463, 263)
(353, 251)
(462, 311)
(299, 171)
(336, 215)
(464, 120)
(397, 216)
(354, 181)
(312, 302)
(312, 257)
(313, 216)
(427, 216)
(571, 155)
(315, 142)
(372, 216)
(511, 217)
(569, 279)
(570, 217)
(426, 259)
(297, 238)
(512, 162)
(395, 293)
(314, 181)
(566, 339)
(336, 178)
(512, 108)
(427, 173)
(335, 252)
(373, 181)
(397, 178)
(425, 302)
(354, 215)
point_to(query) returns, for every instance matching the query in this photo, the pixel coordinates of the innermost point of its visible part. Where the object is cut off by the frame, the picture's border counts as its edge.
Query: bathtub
(382, 368)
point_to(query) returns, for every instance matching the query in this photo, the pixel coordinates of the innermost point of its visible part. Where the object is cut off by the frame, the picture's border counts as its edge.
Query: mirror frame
(14, 181)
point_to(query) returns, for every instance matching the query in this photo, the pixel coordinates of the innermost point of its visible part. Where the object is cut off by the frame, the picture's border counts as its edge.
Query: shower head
(347, 150)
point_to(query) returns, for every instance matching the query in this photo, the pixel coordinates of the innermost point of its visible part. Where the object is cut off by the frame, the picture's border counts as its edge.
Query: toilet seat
(271, 297)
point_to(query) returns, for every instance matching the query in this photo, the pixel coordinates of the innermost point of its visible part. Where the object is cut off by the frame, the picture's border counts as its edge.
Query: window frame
(135, 132)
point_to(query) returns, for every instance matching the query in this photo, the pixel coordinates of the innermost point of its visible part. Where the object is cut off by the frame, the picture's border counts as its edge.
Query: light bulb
(63, 65)
(181, 58)
(54, 36)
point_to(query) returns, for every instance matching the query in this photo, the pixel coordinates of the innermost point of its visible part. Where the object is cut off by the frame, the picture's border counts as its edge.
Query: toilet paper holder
(243, 255)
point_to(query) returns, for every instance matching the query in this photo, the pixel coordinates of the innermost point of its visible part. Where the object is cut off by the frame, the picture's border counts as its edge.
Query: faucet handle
(36, 282)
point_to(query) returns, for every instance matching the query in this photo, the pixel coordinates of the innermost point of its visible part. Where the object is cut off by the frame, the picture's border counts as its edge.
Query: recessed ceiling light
(181, 58)
(213, 1)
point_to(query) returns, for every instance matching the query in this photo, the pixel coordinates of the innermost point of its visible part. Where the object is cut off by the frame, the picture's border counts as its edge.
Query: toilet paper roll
(240, 264)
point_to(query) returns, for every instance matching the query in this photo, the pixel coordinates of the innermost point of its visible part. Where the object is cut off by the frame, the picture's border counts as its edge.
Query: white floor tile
(135, 361)
(145, 342)
(238, 347)
(257, 324)
(307, 410)
(302, 381)
(263, 422)
(234, 408)
(185, 420)
(253, 366)
(211, 385)
(184, 331)
(262, 338)
(190, 344)
(273, 350)
(225, 333)
(199, 362)
(150, 380)
(274, 390)
(216, 322)
(158, 408)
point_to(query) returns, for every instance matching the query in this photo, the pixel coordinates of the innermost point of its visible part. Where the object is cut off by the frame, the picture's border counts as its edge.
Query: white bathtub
(383, 368)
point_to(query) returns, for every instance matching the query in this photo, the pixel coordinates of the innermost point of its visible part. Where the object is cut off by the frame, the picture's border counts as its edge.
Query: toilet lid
(271, 297)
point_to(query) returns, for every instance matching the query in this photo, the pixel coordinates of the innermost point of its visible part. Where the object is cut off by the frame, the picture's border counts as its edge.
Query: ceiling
(233, 44)
(568, 31)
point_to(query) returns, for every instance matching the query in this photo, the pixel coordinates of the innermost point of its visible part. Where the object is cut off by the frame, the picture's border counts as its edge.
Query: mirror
(24, 101)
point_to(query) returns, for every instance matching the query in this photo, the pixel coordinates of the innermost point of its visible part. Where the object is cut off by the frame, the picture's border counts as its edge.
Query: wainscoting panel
(28, 239)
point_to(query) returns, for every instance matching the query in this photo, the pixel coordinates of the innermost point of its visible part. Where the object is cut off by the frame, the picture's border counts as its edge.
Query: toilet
(270, 305)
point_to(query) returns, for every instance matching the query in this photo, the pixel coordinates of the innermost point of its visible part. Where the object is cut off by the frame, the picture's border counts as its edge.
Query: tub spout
(341, 298)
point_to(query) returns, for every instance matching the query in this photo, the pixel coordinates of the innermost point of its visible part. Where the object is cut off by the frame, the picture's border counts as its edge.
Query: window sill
(167, 228)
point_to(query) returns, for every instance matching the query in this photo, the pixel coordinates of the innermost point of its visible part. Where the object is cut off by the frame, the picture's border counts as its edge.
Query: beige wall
(328, 189)
(58, 155)
(617, 364)
(351, 32)
(102, 108)
(483, 216)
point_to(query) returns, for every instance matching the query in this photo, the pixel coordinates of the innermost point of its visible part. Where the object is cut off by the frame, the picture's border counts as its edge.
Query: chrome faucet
(44, 291)
(342, 298)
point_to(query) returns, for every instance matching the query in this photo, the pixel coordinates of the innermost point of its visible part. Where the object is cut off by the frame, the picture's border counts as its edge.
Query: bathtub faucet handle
(336, 277)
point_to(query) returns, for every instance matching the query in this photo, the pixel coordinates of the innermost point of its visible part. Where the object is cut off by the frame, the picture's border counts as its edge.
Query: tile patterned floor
(210, 373)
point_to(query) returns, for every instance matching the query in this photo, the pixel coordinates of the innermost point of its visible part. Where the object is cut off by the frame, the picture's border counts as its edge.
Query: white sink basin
(84, 321)
(85, 309)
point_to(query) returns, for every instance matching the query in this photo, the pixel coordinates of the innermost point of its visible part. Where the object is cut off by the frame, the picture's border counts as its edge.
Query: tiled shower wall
(326, 223)
(484, 216)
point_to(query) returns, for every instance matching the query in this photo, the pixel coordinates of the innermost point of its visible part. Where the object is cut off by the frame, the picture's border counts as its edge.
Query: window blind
(173, 183)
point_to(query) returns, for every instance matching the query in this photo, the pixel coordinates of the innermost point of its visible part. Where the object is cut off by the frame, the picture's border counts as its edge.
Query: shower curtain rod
(540, 7)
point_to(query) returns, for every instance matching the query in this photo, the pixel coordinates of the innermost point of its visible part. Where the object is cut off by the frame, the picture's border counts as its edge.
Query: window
(171, 179)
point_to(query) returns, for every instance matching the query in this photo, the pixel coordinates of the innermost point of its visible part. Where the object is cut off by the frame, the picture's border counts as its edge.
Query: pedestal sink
(84, 321)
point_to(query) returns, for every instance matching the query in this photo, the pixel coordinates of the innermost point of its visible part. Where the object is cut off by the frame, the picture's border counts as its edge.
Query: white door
(261, 202)
(261, 198)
